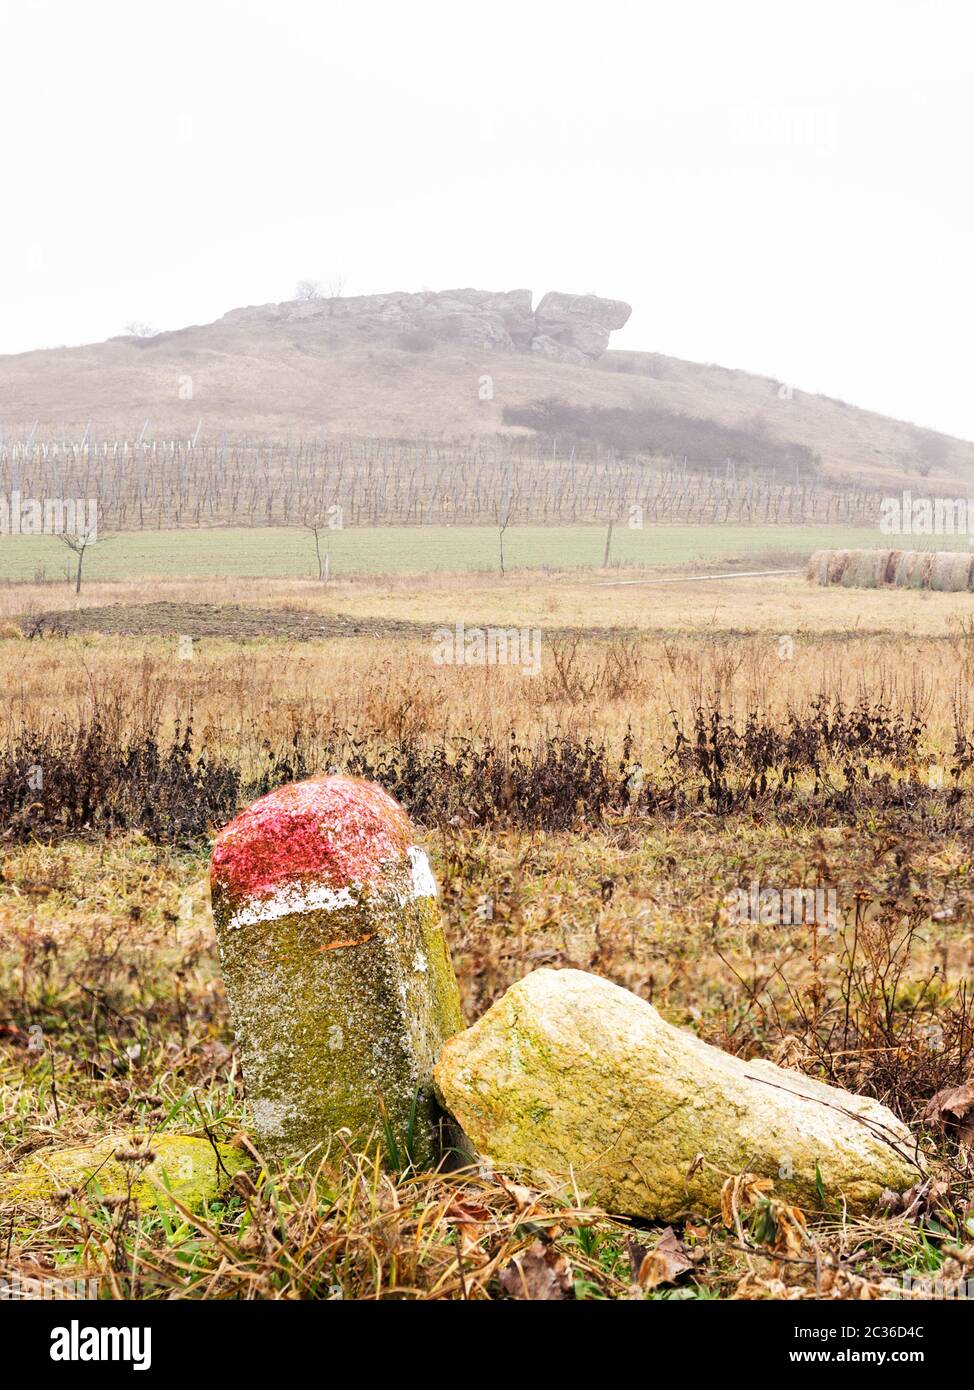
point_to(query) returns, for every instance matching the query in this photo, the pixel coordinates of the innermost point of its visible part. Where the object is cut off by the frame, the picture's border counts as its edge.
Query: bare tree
(503, 507)
(80, 544)
(316, 527)
(138, 329)
(308, 289)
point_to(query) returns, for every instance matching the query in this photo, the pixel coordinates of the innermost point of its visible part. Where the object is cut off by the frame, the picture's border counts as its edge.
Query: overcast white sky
(783, 187)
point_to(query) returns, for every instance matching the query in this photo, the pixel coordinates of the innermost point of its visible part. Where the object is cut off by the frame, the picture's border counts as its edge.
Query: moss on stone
(571, 1078)
(184, 1165)
(334, 1038)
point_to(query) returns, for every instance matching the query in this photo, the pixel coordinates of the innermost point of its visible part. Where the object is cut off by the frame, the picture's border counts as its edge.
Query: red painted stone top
(337, 831)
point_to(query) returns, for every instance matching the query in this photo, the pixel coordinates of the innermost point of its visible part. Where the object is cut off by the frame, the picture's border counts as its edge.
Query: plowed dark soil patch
(236, 621)
(198, 620)
(215, 620)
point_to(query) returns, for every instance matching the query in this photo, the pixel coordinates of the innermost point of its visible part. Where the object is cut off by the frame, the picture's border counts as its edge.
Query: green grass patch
(289, 552)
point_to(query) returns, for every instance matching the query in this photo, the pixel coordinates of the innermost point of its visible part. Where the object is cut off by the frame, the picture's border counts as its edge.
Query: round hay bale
(864, 569)
(818, 567)
(838, 559)
(889, 568)
(949, 571)
(905, 565)
(915, 571)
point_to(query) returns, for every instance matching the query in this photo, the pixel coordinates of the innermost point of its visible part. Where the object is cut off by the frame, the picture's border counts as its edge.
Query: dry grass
(775, 606)
(106, 945)
(241, 695)
(109, 949)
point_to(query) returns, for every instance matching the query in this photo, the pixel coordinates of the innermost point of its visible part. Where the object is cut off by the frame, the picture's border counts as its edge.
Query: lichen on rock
(575, 1080)
(336, 966)
(118, 1166)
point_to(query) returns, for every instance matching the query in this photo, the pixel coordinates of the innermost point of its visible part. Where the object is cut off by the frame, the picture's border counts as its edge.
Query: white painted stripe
(296, 897)
(424, 884)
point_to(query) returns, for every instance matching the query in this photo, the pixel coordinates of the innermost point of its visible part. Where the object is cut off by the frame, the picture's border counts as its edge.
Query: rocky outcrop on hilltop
(565, 327)
(577, 325)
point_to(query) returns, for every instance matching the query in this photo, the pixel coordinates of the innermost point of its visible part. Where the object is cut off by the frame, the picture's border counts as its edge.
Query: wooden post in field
(337, 971)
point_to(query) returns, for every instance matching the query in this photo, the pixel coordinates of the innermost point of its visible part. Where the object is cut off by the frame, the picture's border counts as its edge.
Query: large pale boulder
(580, 322)
(572, 1078)
(338, 976)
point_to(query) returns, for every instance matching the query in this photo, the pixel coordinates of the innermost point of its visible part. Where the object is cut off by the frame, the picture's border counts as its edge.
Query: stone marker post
(340, 984)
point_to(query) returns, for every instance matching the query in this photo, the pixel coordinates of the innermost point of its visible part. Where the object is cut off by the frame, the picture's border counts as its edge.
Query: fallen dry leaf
(471, 1220)
(664, 1264)
(791, 1229)
(952, 1111)
(921, 1199)
(522, 1197)
(740, 1194)
(538, 1273)
(461, 1212)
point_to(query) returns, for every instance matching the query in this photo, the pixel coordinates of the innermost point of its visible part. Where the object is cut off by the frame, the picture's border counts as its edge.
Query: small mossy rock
(337, 971)
(181, 1165)
(570, 1077)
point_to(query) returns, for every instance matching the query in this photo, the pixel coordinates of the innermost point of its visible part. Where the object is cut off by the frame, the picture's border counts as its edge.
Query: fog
(784, 190)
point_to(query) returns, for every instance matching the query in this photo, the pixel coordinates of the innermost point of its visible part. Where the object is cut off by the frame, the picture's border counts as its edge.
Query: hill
(455, 365)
